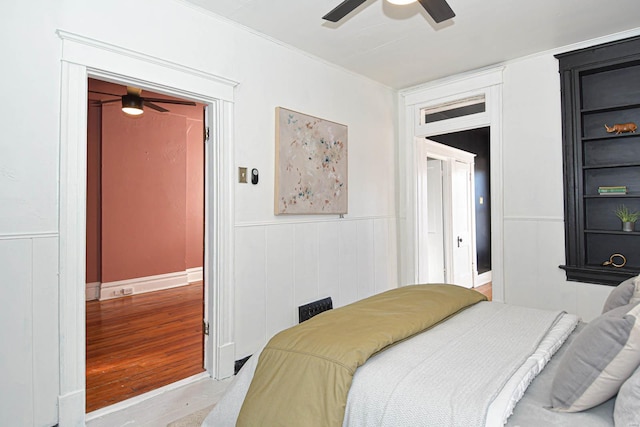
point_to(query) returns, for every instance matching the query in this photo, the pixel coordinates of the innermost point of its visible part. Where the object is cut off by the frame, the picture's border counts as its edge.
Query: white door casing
(488, 83)
(82, 58)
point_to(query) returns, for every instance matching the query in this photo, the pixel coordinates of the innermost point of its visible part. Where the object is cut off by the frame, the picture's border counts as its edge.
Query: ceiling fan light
(132, 105)
(401, 2)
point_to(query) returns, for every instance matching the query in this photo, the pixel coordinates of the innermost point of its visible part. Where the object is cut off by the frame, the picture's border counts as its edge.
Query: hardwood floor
(485, 290)
(138, 343)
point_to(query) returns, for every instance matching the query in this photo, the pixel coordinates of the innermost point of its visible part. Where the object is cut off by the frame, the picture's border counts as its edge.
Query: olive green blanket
(304, 373)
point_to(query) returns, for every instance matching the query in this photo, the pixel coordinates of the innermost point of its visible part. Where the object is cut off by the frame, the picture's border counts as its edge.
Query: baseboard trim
(226, 363)
(483, 279)
(71, 408)
(195, 274)
(92, 291)
(139, 285)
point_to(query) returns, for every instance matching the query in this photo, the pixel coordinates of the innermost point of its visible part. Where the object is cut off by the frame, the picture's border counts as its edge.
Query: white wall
(280, 262)
(533, 193)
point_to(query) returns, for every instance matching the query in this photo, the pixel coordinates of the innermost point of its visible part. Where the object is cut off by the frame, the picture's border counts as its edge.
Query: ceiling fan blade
(154, 106)
(169, 101)
(438, 9)
(342, 10)
(111, 100)
(104, 93)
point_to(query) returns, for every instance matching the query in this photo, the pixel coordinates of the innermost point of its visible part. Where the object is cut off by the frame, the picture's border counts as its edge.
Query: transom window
(451, 110)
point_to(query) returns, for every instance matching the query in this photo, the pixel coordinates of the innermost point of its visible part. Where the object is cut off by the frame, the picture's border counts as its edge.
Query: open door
(461, 200)
(446, 249)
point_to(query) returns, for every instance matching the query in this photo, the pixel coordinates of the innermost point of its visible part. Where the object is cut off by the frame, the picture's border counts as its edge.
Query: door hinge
(205, 327)
(206, 133)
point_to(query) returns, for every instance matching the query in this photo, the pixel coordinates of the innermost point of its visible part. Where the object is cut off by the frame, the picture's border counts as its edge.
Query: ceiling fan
(133, 101)
(438, 9)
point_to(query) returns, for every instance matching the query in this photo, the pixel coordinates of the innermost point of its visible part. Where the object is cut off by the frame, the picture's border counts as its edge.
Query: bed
(478, 364)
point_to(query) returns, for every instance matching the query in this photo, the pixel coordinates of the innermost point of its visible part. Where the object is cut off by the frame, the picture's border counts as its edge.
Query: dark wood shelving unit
(600, 85)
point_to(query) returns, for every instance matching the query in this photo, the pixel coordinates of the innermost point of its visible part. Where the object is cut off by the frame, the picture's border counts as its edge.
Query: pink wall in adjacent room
(151, 185)
(195, 193)
(94, 117)
(144, 170)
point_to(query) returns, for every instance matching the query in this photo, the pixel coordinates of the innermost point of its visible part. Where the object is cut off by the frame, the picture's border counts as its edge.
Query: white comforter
(467, 371)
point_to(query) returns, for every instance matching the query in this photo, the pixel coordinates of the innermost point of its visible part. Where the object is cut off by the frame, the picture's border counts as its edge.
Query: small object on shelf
(619, 128)
(619, 189)
(627, 217)
(613, 258)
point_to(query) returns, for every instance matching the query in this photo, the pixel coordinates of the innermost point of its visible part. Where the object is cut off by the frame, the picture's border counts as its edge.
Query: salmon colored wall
(144, 169)
(94, 127)
(195, 193)
(152, 198)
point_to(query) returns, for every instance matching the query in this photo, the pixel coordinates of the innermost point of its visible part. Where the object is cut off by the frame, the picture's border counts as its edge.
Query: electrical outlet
(242, 175)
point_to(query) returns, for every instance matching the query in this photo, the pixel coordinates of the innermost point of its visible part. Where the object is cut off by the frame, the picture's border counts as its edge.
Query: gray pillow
(622, 294)
(627, 409)
(598, 360)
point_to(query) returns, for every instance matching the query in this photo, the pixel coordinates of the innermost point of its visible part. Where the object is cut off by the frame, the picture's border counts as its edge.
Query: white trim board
(195, 274)
(140, 285)
(483, 279)
(92, 291)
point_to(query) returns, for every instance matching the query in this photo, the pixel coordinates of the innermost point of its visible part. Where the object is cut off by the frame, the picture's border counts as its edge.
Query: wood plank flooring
(485, 290)
(142, 342)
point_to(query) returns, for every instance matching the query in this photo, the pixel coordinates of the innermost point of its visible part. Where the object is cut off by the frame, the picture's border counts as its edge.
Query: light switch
(242, 175)
(481, 201)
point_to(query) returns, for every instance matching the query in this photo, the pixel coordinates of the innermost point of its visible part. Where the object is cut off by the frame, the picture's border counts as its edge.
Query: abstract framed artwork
(311, 165)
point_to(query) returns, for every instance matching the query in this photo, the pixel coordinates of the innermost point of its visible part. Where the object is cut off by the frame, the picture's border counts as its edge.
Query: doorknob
(459, 240)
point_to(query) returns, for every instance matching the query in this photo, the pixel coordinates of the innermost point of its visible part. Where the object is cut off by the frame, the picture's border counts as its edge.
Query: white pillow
(635, 298)
(627, 409)
(627, 292)
(598, 361)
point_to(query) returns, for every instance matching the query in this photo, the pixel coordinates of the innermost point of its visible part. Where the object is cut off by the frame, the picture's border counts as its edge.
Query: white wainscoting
(29, 335)
(283, 265)
(534, 250)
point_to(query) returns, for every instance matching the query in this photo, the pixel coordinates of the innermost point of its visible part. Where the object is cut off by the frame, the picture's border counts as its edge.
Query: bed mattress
(370, 404)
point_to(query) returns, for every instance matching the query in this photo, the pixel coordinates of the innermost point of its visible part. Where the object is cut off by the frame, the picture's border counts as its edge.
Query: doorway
(145, 243)
(433, 109)
(83, 57)
(477, 142)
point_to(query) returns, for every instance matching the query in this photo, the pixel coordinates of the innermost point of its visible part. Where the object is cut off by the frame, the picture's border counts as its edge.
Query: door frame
(487, 83)
(83, 58)
(426, 148)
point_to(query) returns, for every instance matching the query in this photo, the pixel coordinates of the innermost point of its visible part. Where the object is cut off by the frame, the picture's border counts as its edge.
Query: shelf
(611, 108)
(612, 136)
(611, 196)
(599, 274)
(611, 165)
(614, 232)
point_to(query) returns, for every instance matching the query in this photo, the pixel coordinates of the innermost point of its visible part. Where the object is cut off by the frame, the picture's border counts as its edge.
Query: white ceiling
(401, 46)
